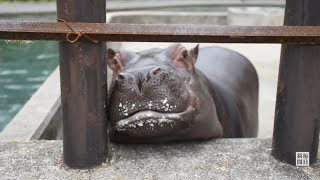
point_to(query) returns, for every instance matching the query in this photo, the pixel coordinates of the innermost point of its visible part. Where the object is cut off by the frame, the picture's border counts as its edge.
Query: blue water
(23, 68)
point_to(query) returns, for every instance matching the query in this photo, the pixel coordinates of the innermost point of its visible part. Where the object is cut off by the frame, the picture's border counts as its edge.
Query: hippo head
(157, 95)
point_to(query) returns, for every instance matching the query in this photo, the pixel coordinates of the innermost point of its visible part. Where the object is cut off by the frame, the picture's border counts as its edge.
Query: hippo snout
(154, 72)
(147, 88)
(141, 82)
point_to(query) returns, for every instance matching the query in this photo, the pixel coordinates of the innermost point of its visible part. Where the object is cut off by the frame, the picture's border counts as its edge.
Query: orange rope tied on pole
(79, 34)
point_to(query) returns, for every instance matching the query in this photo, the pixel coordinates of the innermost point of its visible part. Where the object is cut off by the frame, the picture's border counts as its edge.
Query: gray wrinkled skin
(163, 95)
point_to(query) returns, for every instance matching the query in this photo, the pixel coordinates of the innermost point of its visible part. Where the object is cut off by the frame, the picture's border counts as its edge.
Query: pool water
(23, 68)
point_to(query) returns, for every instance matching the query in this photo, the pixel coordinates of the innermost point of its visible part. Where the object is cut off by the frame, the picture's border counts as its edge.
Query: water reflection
(23, 68)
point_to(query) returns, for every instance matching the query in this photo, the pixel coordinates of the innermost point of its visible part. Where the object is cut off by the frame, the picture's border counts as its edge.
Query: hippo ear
(114, 60)
(183, 58)
(193, 53)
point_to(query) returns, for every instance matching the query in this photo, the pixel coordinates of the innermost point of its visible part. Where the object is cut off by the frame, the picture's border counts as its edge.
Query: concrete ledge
(255, 16)
(215, 159)
(125, 5)
(161, 17)
(15, 8)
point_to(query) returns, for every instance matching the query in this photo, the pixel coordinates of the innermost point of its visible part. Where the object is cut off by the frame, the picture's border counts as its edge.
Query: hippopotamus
(175, 94)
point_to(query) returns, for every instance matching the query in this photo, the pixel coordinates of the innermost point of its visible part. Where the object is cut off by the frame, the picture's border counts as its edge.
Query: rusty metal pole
(83, 87)
(297, 115)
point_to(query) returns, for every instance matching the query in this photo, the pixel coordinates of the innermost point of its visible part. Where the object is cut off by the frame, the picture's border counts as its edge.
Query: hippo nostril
(156, 71)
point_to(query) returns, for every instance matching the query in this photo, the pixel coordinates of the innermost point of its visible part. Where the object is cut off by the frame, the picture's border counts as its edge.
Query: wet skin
(173, 94)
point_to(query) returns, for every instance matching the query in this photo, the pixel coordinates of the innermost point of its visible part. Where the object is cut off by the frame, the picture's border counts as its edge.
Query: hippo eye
(185, 54)
(120, 77)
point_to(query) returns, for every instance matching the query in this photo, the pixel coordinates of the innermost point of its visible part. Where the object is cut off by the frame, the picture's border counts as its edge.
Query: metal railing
(162, 33)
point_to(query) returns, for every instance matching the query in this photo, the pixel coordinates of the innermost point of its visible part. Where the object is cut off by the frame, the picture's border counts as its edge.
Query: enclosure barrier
(161, 33)
(83, 76)
(83, 88)
(296, 125)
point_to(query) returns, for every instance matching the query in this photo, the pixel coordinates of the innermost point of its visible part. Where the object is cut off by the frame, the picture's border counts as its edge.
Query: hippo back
(233, 83)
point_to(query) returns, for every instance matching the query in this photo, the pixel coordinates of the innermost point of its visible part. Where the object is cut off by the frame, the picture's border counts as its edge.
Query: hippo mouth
(154, 123)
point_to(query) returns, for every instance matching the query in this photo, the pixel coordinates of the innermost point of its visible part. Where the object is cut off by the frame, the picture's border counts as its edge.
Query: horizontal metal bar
(162, 33)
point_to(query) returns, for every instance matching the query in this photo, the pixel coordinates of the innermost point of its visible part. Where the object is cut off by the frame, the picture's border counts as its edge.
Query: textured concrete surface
(215, 159)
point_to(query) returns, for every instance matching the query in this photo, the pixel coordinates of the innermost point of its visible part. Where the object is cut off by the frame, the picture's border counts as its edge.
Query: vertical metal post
(296, 126)
(83, 87)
